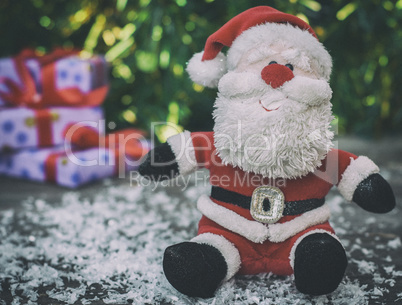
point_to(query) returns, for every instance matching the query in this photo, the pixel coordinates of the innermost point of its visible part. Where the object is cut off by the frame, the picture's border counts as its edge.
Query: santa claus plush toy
(270, 161)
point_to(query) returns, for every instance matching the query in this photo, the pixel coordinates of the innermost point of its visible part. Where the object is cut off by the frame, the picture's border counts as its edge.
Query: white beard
(289, 142)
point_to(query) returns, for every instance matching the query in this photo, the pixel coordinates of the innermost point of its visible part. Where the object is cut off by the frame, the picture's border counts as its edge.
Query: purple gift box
(64, 166)
(24, 127)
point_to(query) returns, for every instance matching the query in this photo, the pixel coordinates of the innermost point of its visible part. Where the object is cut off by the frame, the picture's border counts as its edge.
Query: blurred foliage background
(148, 43)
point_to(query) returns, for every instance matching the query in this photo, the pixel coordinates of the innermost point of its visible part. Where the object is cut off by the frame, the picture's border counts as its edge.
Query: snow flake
(377, 292)
(364, 266)
(395, 243)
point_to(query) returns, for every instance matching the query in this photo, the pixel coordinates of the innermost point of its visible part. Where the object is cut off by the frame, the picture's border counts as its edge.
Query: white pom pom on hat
(207, 67)
(207, 73)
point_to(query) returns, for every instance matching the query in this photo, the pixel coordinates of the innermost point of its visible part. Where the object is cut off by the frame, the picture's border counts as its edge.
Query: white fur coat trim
(256, 231)
(252, 230)
(226, 248)
(358, 170)
(281, 231)
(182, 147)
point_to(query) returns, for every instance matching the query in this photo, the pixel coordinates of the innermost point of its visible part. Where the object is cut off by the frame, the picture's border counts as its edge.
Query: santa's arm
(171, 159)
(362, 184)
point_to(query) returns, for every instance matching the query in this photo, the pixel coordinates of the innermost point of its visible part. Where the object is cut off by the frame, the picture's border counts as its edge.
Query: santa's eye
(289, 66)
(272, 62)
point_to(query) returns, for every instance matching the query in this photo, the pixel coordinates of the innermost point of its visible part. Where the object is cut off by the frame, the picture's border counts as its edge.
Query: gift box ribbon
(51, 166)
(87, 137)
(27, 94)
(43, 121)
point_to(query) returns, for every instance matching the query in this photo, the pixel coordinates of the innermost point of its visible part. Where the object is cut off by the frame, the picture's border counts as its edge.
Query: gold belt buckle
(277, 204)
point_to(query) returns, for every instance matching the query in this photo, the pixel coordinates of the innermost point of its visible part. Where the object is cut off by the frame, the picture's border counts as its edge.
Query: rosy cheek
(299, 72)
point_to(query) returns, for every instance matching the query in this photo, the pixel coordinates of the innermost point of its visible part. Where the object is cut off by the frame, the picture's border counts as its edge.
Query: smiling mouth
(269, 110)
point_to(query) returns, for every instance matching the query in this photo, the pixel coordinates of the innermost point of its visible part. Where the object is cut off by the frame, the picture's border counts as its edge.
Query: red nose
(276, 75)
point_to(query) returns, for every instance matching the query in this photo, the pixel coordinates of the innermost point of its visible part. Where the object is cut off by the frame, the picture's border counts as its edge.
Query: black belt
(291, 207)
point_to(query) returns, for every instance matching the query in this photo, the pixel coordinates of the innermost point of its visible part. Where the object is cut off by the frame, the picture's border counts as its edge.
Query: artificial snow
(395, 243)
(110, 248)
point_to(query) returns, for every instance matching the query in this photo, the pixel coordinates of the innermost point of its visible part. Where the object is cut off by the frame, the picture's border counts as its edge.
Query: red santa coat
(313, 185)
(262, 247)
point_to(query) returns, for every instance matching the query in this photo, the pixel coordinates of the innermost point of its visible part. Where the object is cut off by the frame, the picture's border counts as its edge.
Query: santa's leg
(197, 268)
(319, 262)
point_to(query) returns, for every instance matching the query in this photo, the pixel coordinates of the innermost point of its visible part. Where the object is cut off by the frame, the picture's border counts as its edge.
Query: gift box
(61, 78)
(71, 168)
(24, 127)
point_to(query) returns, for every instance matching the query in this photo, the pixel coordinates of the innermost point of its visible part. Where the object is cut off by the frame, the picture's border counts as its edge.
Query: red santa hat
(254, 27)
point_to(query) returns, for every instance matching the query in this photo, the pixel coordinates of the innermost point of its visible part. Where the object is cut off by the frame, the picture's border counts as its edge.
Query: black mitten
(159, 164)
(374, 194)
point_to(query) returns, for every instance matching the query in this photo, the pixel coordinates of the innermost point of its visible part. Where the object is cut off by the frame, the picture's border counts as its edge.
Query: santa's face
(273, 113)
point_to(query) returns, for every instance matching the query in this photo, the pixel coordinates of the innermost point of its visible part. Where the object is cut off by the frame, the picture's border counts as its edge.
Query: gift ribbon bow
(127, 140)
(124, 143)
(27, 94)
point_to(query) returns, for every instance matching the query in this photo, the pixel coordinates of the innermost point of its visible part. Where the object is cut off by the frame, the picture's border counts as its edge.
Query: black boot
(194, 269)
(320, 263)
